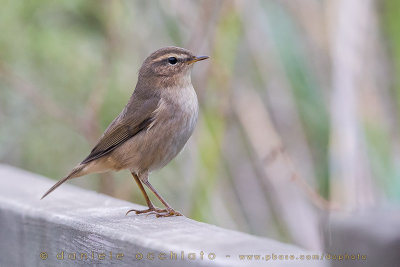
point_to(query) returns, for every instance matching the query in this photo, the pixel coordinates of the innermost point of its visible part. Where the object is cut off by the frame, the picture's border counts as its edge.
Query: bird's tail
(76, 172)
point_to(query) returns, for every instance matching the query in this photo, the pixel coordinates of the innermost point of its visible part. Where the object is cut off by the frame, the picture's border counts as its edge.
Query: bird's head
(169, 66)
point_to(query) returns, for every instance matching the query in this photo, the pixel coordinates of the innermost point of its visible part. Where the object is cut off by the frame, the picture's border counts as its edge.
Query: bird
(152, 128)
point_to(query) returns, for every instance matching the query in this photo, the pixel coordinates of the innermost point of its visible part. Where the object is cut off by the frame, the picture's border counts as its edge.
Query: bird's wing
(136, 117)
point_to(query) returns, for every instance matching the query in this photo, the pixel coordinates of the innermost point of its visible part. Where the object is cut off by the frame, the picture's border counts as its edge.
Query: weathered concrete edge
(101, 220)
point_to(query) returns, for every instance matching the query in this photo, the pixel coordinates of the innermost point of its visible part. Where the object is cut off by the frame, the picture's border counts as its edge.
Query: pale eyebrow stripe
(167, 56)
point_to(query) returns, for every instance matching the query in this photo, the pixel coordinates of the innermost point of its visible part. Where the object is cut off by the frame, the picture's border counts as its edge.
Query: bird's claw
(157, 211)
(169, 213)
(149, 210)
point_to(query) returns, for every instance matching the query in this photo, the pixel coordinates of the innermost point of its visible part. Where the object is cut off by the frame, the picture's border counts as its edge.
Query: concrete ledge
(34, 232)
(369, 238)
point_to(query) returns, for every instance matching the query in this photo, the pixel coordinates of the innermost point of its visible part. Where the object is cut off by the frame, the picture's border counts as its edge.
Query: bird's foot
(168, 213)
(150, 210)
(157, 211)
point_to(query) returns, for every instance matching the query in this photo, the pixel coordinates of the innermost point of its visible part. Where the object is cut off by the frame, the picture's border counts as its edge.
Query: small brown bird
(152, 128)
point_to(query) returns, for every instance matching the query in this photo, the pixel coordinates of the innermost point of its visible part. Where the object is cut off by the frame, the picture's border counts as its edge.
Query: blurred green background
(300, 102)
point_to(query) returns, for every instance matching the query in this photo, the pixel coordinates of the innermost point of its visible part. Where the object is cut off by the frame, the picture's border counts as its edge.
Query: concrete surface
(371, 234)
(72, 224)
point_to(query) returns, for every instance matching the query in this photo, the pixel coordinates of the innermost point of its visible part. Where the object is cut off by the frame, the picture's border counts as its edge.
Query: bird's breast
(182, 113)
(175, 120)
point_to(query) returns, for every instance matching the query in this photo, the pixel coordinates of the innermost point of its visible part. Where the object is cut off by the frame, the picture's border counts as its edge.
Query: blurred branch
(264, 139)
(283, 104)
(350, 171)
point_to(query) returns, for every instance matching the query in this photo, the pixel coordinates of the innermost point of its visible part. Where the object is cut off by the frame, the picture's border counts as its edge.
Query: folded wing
(132, 120)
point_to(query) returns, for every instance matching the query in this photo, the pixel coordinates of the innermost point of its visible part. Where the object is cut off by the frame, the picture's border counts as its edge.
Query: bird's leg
(148, 201)
(170, 211)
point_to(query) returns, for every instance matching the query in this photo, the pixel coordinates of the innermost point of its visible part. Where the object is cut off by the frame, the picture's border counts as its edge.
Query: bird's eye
(172, 60)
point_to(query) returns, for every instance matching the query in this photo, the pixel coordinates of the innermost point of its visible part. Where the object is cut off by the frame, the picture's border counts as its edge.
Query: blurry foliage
(305, 88)
(67, 68)
(385, 158)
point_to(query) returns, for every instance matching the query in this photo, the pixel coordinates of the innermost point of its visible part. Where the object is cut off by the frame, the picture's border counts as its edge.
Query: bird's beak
(195, 59)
